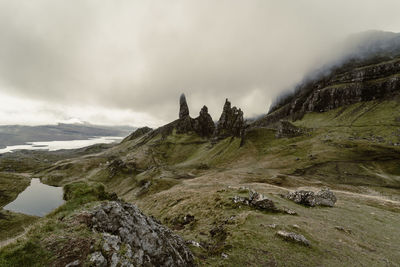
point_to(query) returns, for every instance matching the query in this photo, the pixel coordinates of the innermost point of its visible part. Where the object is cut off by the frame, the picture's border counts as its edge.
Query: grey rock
(98, 260)
(303, 197)
(325, 197)
(111, 242)
(114, 260)
(261, 202)
(257, 201)
(74, 263)
(151, 243)
(293, 237)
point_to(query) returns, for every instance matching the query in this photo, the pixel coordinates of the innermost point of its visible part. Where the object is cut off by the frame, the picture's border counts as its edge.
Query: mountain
(315, 182)
(370, 69)
(18, 135)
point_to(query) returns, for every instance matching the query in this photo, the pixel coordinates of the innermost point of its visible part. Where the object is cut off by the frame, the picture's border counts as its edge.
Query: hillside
(353, 150)
(313, 183)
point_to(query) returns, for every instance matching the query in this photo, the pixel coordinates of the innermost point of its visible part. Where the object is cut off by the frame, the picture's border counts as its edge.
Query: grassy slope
(12, 224)
(349, 149)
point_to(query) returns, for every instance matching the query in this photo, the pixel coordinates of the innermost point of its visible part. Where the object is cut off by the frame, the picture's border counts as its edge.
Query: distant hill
(18, 134)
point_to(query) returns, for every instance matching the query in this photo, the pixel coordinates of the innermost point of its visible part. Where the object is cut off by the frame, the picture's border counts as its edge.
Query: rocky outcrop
(231, 122)
(257, 201)
(343, 86)
(204, 125)
(325, 197)
(145, 241)
(286, 129)
(138, 133)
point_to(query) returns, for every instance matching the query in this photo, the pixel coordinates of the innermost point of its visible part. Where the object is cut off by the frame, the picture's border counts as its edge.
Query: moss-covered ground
(354, 150)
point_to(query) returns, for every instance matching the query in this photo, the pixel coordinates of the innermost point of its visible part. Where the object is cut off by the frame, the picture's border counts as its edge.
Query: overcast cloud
(126, 62)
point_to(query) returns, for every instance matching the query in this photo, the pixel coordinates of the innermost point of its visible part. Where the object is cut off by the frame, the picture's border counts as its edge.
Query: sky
(127, 62)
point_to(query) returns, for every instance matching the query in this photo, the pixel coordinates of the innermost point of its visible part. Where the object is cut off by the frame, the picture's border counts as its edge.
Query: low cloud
(136, 57)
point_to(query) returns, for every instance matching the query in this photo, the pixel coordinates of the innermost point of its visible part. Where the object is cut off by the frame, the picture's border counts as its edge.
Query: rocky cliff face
(231, 121)
(370, 82)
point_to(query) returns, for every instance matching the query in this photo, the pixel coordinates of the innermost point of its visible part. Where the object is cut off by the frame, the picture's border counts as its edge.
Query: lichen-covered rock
(149, 243)
(257, 201)
(303, 197)
(231, 122)
(293, 237)
(261, 202)
(325, 197)
(98, 260)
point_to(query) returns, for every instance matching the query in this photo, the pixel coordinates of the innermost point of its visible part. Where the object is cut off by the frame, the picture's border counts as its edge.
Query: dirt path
(15, 238)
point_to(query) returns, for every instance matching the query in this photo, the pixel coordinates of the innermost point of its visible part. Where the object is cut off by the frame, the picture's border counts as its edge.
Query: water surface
(57, 145)
(37, 199)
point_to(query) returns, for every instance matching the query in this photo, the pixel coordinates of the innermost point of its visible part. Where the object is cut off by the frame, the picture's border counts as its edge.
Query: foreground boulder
(145, 241)
(325, 197)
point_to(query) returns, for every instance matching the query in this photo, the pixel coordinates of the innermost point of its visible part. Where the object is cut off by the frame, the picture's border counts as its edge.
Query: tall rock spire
(184, 109)
(231, 121)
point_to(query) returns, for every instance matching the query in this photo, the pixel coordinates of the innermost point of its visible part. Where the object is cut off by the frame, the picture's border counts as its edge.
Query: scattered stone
(151, 243)
(303, 197)
(188, 219)
(98, 259)
(289, 211)
(273, 226)
(193, 243)
(224, 256)
(261, 202)
(242, 200)
(286, 129)
(290, 236)
(340, 228)
(325, 197)
(73, 264)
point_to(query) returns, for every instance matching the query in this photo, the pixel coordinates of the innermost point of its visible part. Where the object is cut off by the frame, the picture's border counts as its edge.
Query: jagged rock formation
(145, 241)
(203, 124)
(231, 122)
(342, 87)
